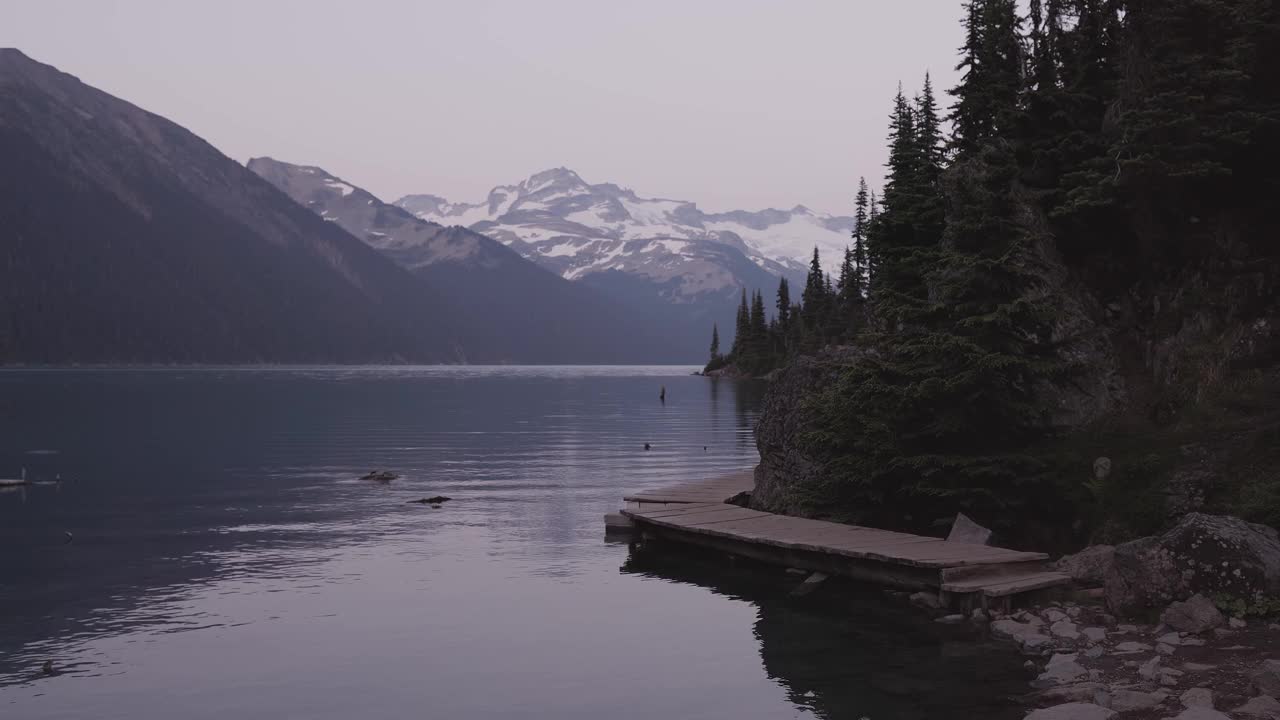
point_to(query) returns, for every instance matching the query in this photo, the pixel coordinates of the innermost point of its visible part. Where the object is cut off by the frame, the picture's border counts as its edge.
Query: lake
(211, 552)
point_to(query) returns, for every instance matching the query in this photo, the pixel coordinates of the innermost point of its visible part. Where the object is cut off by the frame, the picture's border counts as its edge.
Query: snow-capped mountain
(408, 240)
(560, 221)
(515, 310)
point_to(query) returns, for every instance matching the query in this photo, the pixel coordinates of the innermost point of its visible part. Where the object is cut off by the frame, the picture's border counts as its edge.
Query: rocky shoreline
(1145, 635)
(1195, 664)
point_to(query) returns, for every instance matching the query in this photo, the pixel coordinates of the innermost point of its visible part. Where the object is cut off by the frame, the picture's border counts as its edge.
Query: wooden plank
(730, 513)
(679, 509)
(1044, 580)
(646, 508)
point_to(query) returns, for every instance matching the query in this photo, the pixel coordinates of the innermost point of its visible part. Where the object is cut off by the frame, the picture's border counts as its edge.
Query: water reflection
(845, 650)
(199, 499)
(228, 561)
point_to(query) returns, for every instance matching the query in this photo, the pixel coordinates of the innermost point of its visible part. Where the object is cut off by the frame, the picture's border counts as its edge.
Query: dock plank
(699, 509)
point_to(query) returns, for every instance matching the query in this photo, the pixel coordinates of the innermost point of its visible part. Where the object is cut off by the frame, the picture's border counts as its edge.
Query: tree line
(1068, 122)
(827, 311)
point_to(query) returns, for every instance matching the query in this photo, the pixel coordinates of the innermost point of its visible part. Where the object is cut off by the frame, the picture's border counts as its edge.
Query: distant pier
(963, 574)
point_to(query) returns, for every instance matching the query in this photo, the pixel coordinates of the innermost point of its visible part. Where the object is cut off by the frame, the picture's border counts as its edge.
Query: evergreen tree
(742, 327)
(1074, 71)
(1195, 126)
(861, 225)
(930, 212)
(813, 301)
(715, 342)
(848, 301)
(847, 282)
(929, 131)
(759, 325)
(968, 118)
(939, 417)
(987, 98)
(784, 309)
(906, 231)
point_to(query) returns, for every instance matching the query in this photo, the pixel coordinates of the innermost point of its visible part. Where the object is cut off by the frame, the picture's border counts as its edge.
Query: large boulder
(1210, 554)
(790, 474)
(1089, 566)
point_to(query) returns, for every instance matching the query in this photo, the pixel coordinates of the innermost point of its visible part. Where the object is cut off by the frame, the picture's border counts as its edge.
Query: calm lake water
(226, 561)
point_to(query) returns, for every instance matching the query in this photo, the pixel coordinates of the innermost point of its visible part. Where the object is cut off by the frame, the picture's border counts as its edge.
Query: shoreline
(1084, 662)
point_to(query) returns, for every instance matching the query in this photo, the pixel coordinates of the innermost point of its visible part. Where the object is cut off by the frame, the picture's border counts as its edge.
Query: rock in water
(1072, 711)
(1196, 615)
(435, 500)
(1211, 554)
(964, 530)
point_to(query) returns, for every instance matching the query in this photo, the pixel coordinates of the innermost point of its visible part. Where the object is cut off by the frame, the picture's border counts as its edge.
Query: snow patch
(340, 186)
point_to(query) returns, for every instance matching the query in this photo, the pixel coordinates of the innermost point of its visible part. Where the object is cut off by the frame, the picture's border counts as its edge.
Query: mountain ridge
(129, 239)
(530, 313)
(558, 203)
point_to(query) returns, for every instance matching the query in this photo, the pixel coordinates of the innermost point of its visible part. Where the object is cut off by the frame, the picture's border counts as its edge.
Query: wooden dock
(962, 574)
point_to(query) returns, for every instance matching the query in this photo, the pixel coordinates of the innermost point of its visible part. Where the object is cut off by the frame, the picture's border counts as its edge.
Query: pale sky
(733, 104)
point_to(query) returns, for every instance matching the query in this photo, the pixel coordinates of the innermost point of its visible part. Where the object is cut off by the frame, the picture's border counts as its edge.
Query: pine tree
(846, 280)
(715, 342)
(969, 119)
(929, 212)
(784, 309)
(742, 328)
(813, 300)
(861, 225)
(759, 324)
(929, 131)
(756, 348)
(938, 418)
(987, 98)
(905, 233)
(848, 301)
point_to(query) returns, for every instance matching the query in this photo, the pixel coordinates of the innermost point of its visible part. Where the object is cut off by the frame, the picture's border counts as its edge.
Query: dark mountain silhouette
(126, 238)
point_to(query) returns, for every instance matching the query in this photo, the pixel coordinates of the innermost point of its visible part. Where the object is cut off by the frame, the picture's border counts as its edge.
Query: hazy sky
(730, 103)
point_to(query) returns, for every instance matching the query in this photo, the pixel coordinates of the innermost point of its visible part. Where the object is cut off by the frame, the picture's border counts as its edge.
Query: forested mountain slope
(1087, 267)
